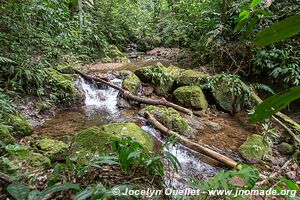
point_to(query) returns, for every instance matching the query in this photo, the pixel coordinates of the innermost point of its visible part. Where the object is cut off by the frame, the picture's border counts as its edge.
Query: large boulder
(192, 77)
(5, 135)
(160, 77)
(254, 148)
(230, 93)
(54, 149)
(131, 82)
(132, 130)
(170, 118)
(191, 97)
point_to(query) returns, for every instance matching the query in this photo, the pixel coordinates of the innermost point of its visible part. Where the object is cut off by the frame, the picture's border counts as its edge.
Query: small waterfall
(101, 97)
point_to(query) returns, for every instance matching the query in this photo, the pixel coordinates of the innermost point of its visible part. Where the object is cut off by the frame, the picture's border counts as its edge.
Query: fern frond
(6, 60)
(263, 87)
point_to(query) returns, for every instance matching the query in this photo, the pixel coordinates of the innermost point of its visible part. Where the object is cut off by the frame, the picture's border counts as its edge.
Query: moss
(56, 150)
(93, 140)
(191, 96)
(192, 77)
(5, 136)
(20, 127)
(132, 83)
(115, 54)
(160, 77)
(66, 68)
(170, 118)
(38, 159)
(132, 130)
(254, 149)
(286, 148)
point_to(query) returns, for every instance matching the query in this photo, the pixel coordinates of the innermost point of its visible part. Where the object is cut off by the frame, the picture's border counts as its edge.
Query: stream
(100, 107)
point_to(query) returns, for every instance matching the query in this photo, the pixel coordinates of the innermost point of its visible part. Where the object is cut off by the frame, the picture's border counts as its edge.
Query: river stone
(132, 130)
(160, 77)
(5, 136)
(285, 148)
(192, 77)
(254, 148)
(170, 118)
(223, 89)
(191, 97)
(131, 83)
(20, 127)
(93, 140)
(56, 150)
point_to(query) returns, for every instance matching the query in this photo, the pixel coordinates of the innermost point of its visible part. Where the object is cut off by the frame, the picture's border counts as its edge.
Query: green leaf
(57, 188)
(290, 184)
(16, 149)
(274, 104)
(85, 194)
(18, 191)
(279, 31)
(255, 3)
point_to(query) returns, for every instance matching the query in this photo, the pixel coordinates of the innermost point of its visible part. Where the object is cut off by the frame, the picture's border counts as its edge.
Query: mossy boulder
(131, 130)
(38, 159)
(5, 135)
(170, 118)
(192, 77)
(230, 93)
(254, 148)
(286, 148)
(93, 140)
(160, 77)
(191, 97)
(54, 149)
(131, 82)
(112, 53)
(20, 126)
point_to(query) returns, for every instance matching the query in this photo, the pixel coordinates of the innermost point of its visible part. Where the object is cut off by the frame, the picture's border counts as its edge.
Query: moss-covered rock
(5, 136)
(93, 140)
(230, 93)
(191, 97)
(112, 53)
(170, 118)
(132, 130)
(38, 159)
(254, 149)
(20, 127)
(286, 148)
(131, 82)
(54, 149)
(160, 77)
(192, 77)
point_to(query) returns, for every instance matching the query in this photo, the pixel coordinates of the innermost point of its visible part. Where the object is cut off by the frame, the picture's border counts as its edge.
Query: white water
(101, 97)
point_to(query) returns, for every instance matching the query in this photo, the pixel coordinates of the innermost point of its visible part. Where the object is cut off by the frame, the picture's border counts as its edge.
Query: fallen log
(286, 119)
(130, 96)
(192, 145)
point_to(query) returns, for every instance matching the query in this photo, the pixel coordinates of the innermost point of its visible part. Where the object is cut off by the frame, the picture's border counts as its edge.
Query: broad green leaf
(85, 194)
(290, 184)
(255, 3)
(57, 188)
(18, 191)
(279, 31)
(17, 149)
(274, 104)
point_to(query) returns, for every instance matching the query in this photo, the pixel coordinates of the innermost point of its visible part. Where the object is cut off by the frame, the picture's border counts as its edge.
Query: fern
(6, 60)
(263, 87)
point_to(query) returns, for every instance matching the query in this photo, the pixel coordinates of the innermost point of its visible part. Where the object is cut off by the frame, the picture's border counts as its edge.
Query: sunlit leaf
(255, 3)
(275, 103)
(279, 31)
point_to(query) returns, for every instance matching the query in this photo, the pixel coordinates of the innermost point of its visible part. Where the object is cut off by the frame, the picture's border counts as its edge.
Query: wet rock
(56, 150)
(170, 118)
(192, 77)
(5, 136)
(160, 77)
(215, 126)
(131, 83)
(148, 90)
(191, 97)
(131, 130)
(230, 93)
(122, 103)
(100, 95)
(254, 149)
(286, 148)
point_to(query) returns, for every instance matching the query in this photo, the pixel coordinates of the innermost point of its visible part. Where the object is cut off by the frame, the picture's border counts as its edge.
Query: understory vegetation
(237, 50)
